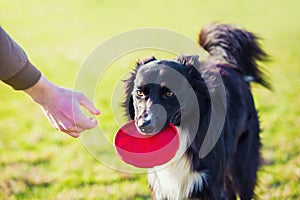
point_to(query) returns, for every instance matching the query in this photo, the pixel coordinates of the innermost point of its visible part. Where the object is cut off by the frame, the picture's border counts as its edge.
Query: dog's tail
(227, 43)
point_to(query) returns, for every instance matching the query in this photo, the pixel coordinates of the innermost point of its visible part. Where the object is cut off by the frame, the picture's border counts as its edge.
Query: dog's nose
(143, 125)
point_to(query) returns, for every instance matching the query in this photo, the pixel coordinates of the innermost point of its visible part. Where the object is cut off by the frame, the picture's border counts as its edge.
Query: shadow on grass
(123, 177)
(141, 197)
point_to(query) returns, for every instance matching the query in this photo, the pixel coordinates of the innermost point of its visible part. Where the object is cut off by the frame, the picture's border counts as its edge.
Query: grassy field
(37, 162)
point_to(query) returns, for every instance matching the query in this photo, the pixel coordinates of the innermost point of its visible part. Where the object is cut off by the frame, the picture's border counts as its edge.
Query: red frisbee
(146, 151)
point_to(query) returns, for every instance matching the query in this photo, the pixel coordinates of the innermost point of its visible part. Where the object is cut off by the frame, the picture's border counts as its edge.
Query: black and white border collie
(155, 97)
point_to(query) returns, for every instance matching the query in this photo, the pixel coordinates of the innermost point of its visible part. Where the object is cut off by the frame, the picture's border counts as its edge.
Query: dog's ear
(191, 66)
(128, 102)
(130, 109)
(201, 78)
(145, 61)
(191, 60)
(195, 78)
(194, 74)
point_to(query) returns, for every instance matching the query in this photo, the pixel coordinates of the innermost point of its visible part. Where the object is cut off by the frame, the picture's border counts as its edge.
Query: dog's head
(158, 91)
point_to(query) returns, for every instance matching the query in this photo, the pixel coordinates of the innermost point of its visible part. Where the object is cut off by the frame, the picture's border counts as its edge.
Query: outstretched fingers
(87, 104)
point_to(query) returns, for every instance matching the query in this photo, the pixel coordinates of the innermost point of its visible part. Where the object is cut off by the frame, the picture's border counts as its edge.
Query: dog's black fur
(231, 166)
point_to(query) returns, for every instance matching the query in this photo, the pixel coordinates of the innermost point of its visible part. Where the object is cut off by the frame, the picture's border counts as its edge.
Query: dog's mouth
(176, 118)
(150, 130)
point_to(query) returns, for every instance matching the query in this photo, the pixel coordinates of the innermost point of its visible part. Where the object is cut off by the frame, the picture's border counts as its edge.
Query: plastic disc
(146, 151)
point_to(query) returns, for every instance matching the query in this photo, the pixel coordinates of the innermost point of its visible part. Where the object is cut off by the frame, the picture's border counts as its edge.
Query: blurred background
(38, 162)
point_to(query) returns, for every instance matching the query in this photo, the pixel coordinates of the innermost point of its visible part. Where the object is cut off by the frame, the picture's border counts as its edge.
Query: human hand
(62, 107)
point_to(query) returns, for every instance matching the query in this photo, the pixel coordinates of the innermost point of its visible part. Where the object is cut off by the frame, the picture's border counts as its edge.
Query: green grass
(37, 162)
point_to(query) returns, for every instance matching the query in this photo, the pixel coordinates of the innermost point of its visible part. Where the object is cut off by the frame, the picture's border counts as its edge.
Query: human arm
(60, 105)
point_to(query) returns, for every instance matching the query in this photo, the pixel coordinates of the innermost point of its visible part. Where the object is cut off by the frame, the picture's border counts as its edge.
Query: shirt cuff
(28, 76)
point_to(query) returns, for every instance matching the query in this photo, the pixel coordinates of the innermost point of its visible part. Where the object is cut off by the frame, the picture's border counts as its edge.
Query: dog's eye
(139, 93)
(169, 93)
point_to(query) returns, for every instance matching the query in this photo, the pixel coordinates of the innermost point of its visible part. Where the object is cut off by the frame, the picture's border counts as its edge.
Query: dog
(180, 92)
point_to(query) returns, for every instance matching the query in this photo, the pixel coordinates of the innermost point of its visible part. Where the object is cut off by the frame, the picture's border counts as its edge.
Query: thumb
(87, 104)
(86, 122)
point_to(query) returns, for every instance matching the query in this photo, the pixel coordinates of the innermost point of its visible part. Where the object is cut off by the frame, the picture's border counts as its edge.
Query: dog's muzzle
(152, 121)
(144, 125)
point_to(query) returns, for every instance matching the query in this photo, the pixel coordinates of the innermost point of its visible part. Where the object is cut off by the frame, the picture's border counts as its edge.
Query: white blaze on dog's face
(155, 95)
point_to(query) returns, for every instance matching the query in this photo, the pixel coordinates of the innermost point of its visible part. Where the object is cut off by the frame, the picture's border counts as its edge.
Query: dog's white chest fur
(176, 181)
